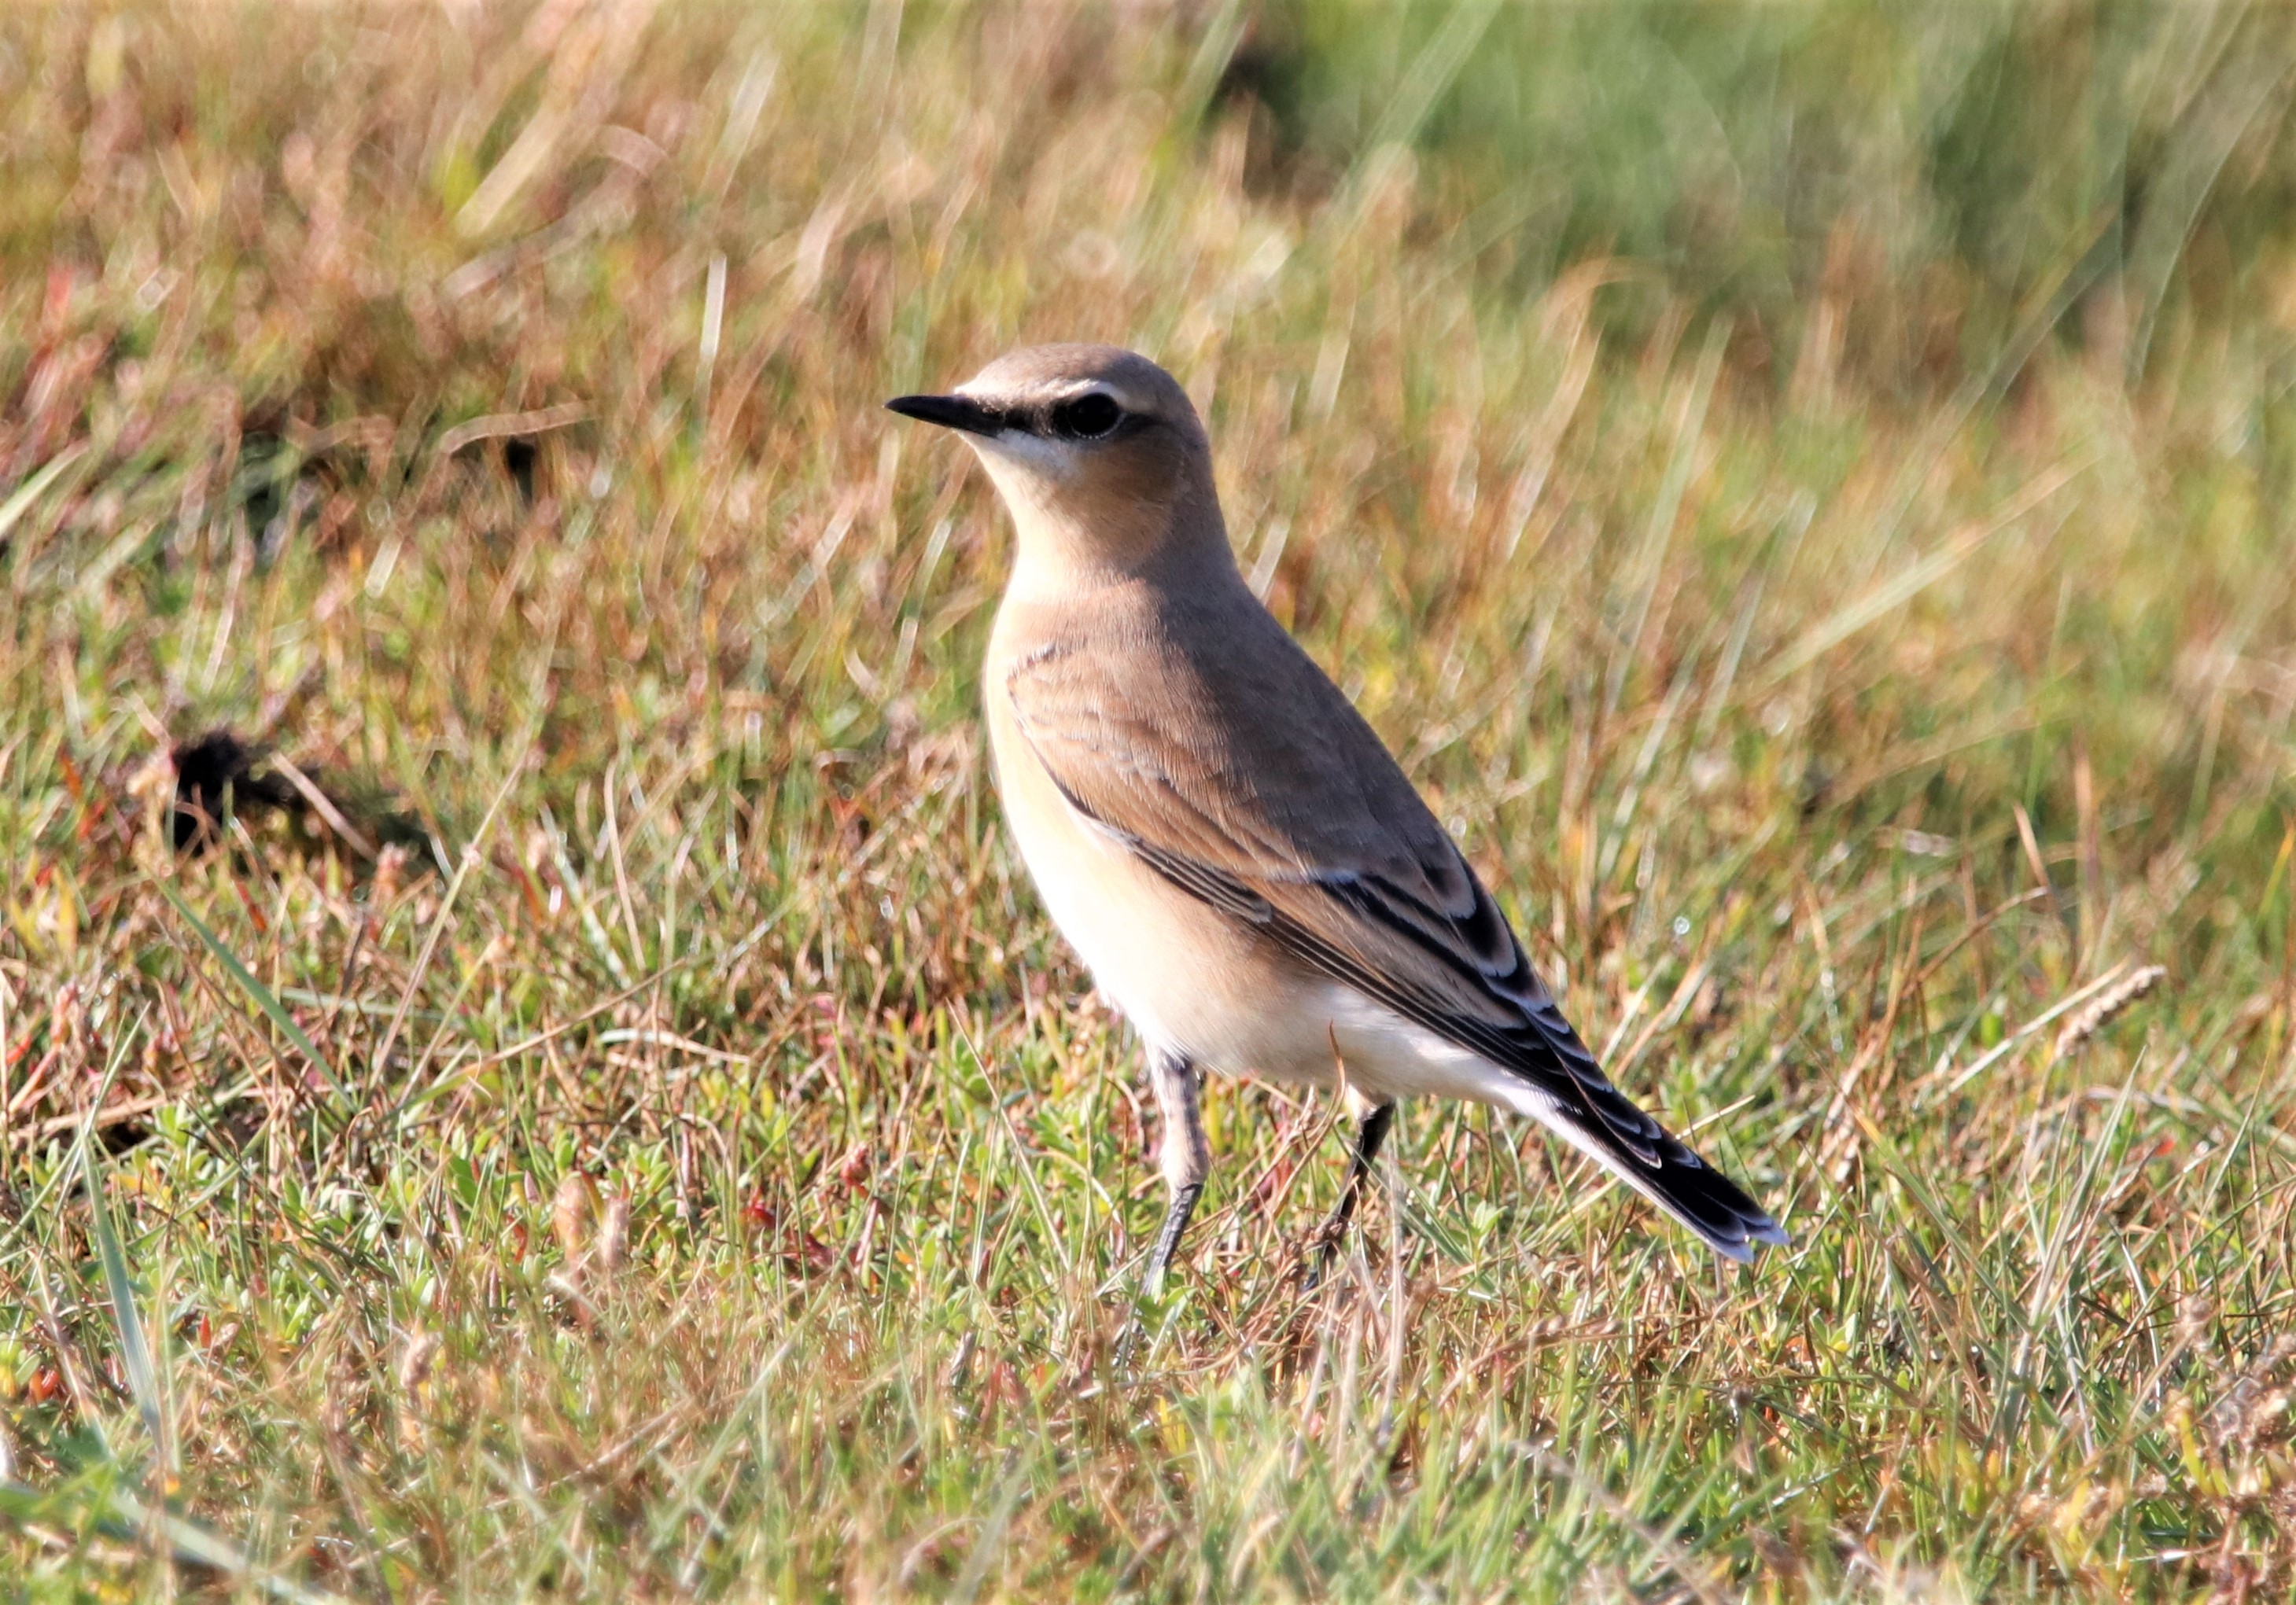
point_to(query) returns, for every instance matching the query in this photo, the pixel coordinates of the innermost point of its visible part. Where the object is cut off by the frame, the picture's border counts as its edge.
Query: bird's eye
(1087, 417)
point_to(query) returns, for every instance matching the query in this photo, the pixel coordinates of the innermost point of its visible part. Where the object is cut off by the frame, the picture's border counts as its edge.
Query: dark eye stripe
(1093, 416)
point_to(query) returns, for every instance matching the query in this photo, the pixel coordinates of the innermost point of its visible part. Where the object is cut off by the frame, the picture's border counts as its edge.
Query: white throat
(1048, 561)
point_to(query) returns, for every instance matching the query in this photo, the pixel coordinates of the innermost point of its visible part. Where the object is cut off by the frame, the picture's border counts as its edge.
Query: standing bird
(1245, 868)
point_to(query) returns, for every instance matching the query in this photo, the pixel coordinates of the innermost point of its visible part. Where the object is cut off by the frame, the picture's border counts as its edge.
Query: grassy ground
(641, 1138)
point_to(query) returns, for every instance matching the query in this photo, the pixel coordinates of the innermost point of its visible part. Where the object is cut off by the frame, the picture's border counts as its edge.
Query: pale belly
(1196, 982)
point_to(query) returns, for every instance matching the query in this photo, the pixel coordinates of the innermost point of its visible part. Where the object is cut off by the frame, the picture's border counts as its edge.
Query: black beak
(950, 412)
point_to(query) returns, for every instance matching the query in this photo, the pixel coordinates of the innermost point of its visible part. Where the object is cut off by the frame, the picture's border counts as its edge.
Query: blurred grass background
(1804, 488)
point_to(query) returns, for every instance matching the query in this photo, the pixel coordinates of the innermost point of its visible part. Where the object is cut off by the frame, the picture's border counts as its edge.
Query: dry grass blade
(510, 425)
(2107, 1005)
(1916, 576)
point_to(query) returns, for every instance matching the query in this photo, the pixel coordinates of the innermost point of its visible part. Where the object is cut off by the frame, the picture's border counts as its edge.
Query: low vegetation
(529, 1070)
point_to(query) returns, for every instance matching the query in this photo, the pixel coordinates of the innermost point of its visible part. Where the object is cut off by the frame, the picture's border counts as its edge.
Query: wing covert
(1312, 834)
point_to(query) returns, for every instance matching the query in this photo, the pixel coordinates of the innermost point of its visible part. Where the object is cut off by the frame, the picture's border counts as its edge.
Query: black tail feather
(1684, 1185)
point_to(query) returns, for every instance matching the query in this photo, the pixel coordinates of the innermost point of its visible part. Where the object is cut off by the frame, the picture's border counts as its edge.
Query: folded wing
(1309, 830)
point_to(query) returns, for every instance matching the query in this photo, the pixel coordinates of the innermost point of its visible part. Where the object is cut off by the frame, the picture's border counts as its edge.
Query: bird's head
(1097, 452)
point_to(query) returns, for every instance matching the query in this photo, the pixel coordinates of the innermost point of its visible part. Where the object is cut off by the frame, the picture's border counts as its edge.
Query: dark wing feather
(1308, 831)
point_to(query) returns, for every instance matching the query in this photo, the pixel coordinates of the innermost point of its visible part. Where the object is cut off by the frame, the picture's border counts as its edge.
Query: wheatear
(1248, 873)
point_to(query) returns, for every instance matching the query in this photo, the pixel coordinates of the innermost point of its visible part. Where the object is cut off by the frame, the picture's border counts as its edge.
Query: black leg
(1167, 1240)
(1371, 1134)
(1186, 1155)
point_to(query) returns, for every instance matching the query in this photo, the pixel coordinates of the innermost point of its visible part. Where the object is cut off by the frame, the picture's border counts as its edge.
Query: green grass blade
(128, 1320)
(32, 488)
(132, 1521)
(271, 1008)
